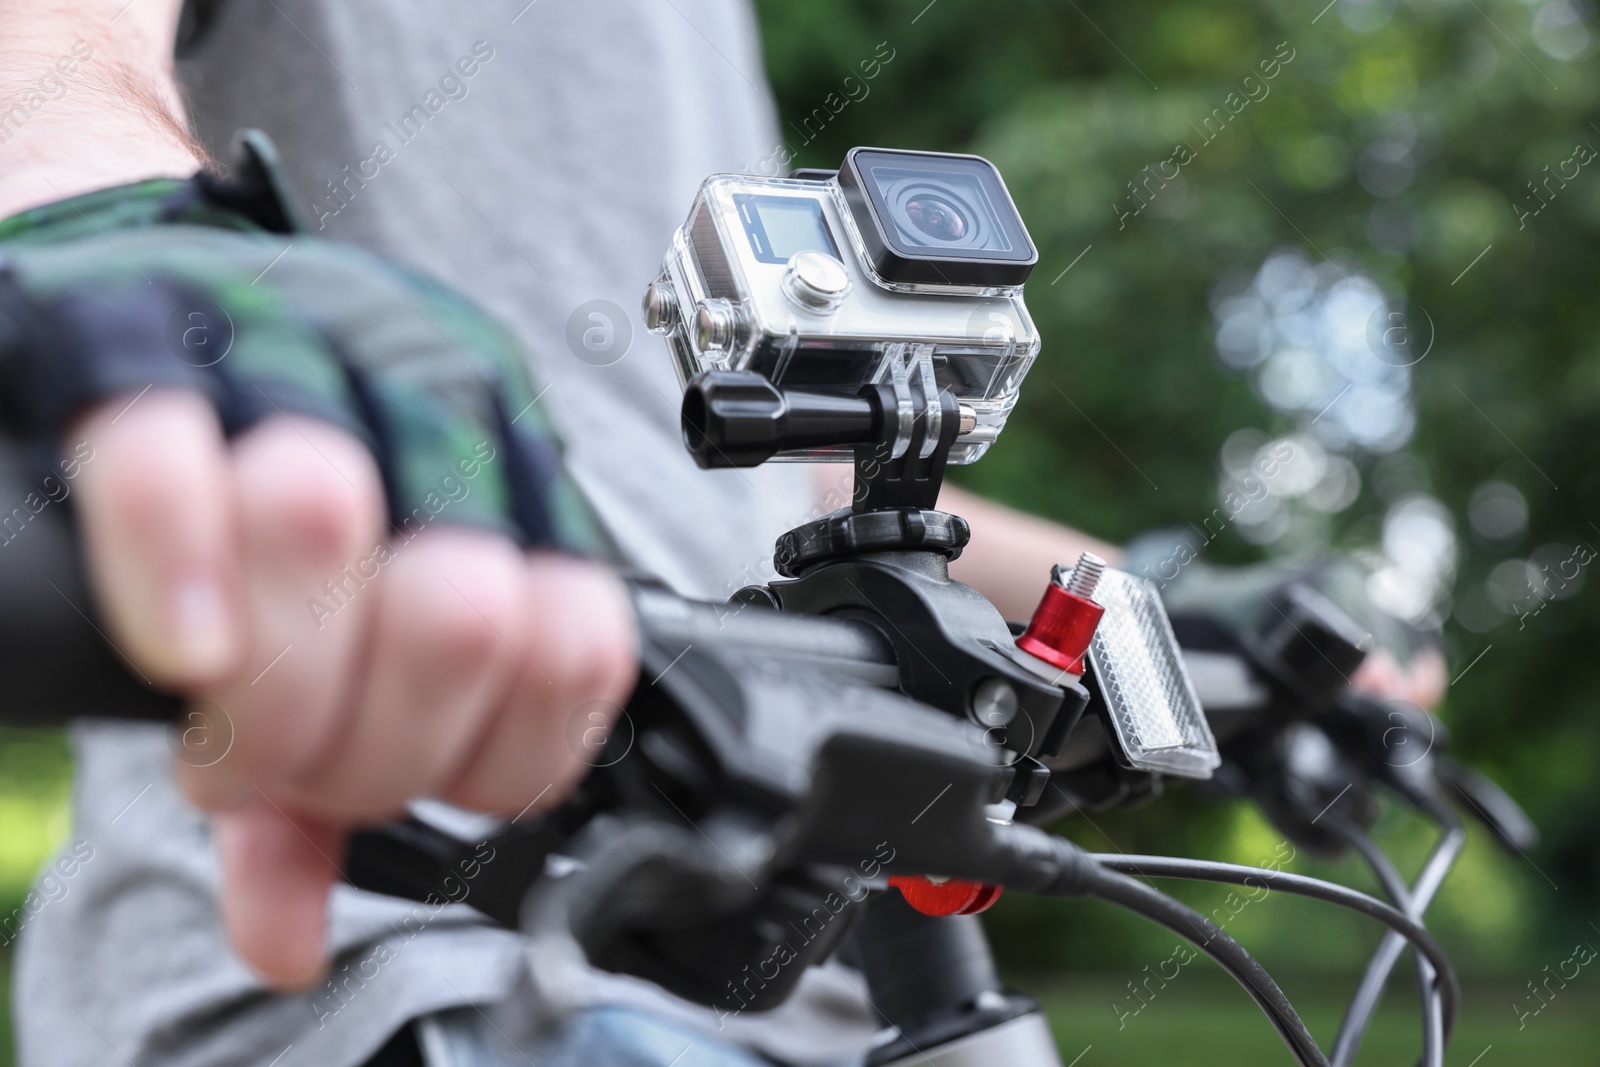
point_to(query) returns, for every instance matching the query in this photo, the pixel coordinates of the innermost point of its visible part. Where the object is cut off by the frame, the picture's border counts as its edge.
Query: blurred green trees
(1391, 155)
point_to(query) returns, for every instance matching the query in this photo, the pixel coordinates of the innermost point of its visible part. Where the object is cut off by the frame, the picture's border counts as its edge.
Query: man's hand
(451, 673)
(356, 665)
(1422, 681)
(338, 593)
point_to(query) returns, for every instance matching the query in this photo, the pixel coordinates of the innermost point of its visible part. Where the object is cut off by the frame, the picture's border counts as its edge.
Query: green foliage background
(1072, 100)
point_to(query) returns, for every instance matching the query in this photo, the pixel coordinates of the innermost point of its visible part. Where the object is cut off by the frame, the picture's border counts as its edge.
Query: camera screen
(947, 212)
(780, 226)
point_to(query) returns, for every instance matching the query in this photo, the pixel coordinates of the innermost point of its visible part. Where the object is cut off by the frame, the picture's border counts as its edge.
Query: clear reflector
(1155, 715)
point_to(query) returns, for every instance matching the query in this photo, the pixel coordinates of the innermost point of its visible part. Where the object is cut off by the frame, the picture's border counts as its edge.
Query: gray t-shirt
(537, 156)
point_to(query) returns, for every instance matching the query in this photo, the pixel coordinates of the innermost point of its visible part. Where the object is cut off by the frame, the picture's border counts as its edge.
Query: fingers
(441, 658)
(1428, 678)
(157, 525)
(310, 506)
(277, 871)
(576, 665)
(351, 675)
(1422, 681)
(477, 657)
(1380, 675)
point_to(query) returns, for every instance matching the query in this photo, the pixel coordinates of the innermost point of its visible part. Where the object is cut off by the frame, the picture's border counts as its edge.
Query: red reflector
(953, 896)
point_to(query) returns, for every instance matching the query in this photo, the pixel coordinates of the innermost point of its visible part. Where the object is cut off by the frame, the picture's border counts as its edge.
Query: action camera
(901, 268)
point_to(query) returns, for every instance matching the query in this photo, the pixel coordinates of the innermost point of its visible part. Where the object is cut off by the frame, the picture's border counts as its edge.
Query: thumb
(277, 870)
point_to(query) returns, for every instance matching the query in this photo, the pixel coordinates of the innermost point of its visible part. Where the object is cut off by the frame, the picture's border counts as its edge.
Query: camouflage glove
(204, 284)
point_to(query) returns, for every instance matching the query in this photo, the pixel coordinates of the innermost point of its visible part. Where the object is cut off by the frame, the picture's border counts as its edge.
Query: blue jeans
(598, 1037)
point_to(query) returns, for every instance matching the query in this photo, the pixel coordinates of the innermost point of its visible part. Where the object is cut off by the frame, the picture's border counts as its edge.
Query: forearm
(88, 98)
(1011, 553)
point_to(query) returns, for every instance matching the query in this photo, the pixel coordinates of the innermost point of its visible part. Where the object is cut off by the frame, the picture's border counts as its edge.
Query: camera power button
(816, 281)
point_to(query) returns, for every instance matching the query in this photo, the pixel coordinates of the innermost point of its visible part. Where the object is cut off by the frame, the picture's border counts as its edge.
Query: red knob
(1064, 622)
(949, 896)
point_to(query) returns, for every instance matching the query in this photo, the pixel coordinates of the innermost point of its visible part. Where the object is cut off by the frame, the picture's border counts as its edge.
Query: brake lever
(1490, 805)
(1297, 777)
(1394, 742)
(416, 860)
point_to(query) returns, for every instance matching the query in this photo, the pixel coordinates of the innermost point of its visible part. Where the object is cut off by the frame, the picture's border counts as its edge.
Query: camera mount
(901, 430)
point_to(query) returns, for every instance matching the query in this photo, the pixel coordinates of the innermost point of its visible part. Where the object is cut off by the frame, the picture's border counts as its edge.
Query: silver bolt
(713, 325)
(1085, 576)
(994, 703)
(660, 308)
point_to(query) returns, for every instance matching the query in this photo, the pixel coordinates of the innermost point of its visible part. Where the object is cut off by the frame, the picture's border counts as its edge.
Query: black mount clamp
(849, 533)
(884, 559)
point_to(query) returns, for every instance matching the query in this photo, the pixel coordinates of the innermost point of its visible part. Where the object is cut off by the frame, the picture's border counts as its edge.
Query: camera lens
(947, 212)
(928, 218)
(936, 217)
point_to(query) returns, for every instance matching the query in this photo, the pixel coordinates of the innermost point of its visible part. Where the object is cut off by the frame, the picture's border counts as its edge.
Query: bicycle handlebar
(56, 664)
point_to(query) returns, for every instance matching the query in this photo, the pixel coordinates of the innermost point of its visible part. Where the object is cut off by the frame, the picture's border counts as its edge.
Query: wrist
(88, 101)
(42, 166)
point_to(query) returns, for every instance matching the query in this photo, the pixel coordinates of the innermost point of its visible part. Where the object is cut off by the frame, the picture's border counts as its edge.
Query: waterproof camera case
(902, 267)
